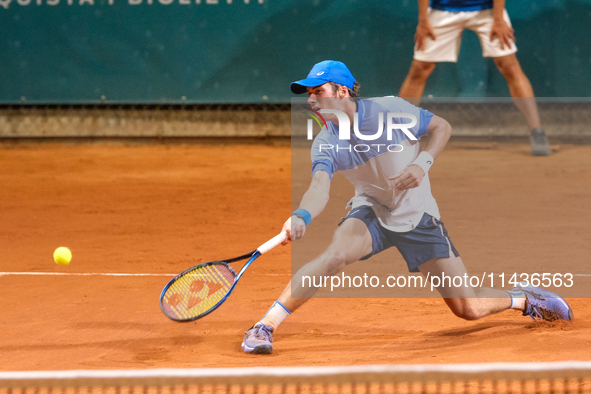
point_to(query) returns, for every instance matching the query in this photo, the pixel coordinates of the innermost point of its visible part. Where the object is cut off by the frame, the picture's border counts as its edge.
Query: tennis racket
(200, 290)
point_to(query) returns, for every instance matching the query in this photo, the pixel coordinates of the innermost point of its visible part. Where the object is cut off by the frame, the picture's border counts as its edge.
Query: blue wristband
(302, 213)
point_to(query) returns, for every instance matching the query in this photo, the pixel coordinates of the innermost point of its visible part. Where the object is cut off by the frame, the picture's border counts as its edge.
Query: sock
(275, 315)
(517, 299)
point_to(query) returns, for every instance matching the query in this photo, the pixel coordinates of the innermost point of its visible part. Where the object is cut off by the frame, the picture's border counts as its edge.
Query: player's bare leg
(524, 99)
(468, 302)
(414, 85)
(351, 242)
(473, 303)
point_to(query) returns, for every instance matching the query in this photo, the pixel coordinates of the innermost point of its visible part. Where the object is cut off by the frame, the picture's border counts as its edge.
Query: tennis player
(393, 206)
(438, 38)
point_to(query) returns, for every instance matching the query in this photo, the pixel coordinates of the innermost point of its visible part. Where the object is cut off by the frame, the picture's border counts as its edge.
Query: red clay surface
(160, 209)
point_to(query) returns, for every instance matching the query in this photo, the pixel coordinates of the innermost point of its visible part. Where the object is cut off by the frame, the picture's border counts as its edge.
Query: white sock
(275, 315)
(517, 299)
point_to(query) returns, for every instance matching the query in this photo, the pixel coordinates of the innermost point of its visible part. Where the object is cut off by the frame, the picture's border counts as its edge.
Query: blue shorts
(429, 240)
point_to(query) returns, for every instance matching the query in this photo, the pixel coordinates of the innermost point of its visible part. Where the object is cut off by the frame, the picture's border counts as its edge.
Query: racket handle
(270, 244)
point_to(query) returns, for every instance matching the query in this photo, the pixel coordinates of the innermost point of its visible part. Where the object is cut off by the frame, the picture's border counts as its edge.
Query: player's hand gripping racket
(200, 290)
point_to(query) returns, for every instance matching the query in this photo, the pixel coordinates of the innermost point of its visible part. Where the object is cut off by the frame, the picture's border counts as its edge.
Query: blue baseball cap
(323, 72)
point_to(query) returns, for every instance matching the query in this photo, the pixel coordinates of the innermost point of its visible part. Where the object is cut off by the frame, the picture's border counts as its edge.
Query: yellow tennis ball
(62, 255)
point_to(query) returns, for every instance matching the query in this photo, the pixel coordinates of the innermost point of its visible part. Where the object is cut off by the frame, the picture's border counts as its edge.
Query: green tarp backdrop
(248, 51)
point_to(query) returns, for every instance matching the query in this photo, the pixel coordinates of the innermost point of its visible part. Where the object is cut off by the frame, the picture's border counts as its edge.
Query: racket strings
(198, 291)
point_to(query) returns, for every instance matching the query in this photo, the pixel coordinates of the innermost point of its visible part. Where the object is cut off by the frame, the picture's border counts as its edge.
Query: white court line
(79, 274)
(96, 274)
(130, 274)
(298, 371)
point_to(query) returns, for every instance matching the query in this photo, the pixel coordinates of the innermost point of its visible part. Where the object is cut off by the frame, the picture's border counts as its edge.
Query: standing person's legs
(519, 88)
(519, 85)
(525, 101)
(447, 27)
(414, 83)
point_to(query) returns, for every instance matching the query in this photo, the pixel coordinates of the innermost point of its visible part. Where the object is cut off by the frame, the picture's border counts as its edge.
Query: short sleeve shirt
(368, 162)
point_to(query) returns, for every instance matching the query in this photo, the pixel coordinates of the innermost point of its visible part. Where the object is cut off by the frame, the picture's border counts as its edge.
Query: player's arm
(313, 203)
(424, 28)
(437, 135)
(500, 27)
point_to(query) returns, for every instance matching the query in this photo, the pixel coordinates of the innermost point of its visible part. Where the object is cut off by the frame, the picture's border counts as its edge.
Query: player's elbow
(447, 128)
(441, 127)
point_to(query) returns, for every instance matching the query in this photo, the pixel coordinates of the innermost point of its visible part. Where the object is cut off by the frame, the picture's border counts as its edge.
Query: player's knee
(468, 309)
(509, 67)
(334, 262)
(420, 70)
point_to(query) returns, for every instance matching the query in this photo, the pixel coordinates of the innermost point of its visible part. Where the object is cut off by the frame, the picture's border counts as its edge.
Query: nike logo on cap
(320, 73)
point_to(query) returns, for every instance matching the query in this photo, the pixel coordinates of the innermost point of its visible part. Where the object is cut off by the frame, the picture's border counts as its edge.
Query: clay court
(158, 209)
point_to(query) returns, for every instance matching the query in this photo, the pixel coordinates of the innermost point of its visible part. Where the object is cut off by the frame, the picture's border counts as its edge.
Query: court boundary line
(298, 371)
(134, 274)
(97, 274)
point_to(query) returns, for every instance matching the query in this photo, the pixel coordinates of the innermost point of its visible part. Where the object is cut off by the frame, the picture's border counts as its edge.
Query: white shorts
(449, 26)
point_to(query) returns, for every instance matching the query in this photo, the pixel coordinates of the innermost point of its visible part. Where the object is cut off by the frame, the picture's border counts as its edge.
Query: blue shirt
(461, 5)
